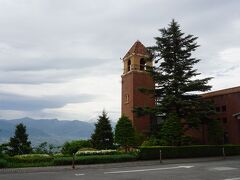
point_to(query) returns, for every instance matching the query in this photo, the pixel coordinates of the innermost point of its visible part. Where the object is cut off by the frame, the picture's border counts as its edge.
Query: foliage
(139, 138)
(176, 79)
(96, 152)
(19, 144)
(171, 131)
(152, 152)
(3, 163)
(73, 146)
(124, 133)
(102, 138)
(4, 149)
(42, 148)
(31, 158)
(45, 148)
(215, 132)
(152, 141)
(96, 159)
(188, 140)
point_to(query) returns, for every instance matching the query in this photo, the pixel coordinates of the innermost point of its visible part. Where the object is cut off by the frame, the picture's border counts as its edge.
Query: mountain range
(53, 131)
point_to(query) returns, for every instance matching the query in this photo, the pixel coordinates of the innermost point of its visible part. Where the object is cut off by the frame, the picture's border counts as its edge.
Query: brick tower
(135, 77)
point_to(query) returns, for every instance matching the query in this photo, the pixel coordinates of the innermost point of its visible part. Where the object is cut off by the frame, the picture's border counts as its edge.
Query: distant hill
(51, 130)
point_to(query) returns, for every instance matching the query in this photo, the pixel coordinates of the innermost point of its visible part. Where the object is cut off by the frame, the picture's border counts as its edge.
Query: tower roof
(137, 48)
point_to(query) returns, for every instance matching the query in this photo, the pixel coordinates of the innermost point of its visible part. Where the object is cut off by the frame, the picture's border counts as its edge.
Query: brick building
(227, 103)
(134, 76)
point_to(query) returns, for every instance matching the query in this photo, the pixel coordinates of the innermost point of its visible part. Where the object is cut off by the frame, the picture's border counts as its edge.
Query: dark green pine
(102, 138)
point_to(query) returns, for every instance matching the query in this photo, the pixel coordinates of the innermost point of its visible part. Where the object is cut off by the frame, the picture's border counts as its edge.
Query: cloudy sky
(61, 58)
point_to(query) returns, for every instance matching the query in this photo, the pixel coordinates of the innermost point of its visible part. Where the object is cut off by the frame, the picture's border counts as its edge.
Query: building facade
(134, 77)
(227, 103)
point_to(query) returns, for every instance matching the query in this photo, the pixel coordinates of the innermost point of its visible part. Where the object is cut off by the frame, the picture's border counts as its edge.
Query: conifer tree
(124, 133)
(176, 81)
(102, 138)
(19, 144)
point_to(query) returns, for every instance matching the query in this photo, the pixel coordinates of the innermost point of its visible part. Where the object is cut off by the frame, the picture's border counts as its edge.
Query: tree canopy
(124, 133)
(177, 87)
(19, 144)
(102, 138)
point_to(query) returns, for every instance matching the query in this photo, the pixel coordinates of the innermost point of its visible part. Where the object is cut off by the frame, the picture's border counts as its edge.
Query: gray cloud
(59, 41)
(30, 103)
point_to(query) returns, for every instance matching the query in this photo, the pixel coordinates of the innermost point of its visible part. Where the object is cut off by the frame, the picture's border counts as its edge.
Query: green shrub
(3, 163)
(152, 152)
(97, 152)
(31, 158)
(188, 140)
(95, 159)
(73, 146)
(152, 141)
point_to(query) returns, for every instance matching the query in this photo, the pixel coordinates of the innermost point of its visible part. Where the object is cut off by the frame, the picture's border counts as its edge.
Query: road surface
(228, 169)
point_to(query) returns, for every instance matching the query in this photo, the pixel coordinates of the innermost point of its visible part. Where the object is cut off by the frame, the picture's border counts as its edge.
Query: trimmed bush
(95, 159)
(95, 152)
(3, 163)
(31, 158)
(152, 152)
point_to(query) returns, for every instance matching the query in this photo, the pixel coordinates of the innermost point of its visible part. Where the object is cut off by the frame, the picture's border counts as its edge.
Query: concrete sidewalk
(112, 165)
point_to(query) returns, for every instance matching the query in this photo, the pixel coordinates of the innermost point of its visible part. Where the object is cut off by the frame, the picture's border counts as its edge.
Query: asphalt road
(228, 169)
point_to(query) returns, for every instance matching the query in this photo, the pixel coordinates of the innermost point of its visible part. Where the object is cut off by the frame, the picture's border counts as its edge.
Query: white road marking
(223, 168)
(238, 178)
(79, 174)
(143, 170)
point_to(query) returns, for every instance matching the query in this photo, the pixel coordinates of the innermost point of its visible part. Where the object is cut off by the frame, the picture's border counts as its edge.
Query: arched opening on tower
(129, 65)
(142, 64)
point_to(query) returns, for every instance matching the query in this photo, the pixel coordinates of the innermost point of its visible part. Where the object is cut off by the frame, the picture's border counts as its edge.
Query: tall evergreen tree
(124, 133)
(175, 78)
(176, 81)
(102, 138)
(19, 144)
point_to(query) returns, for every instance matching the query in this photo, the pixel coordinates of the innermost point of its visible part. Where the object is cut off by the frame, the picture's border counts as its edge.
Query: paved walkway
(112, 165)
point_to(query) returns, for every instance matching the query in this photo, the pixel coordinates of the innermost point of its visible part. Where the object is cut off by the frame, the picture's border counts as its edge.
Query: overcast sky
(61, 58)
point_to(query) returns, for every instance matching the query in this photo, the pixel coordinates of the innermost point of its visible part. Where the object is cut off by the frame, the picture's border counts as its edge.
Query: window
(224, 120)
(142, 64)
(127, 98)
(224, 108)
(225, 138)
(129, 65)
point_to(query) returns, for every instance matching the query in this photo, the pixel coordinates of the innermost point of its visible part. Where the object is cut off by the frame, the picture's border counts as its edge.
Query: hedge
(31, 158)
(95, 159)
(3, 163)
(98, 152)
(152, 152)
